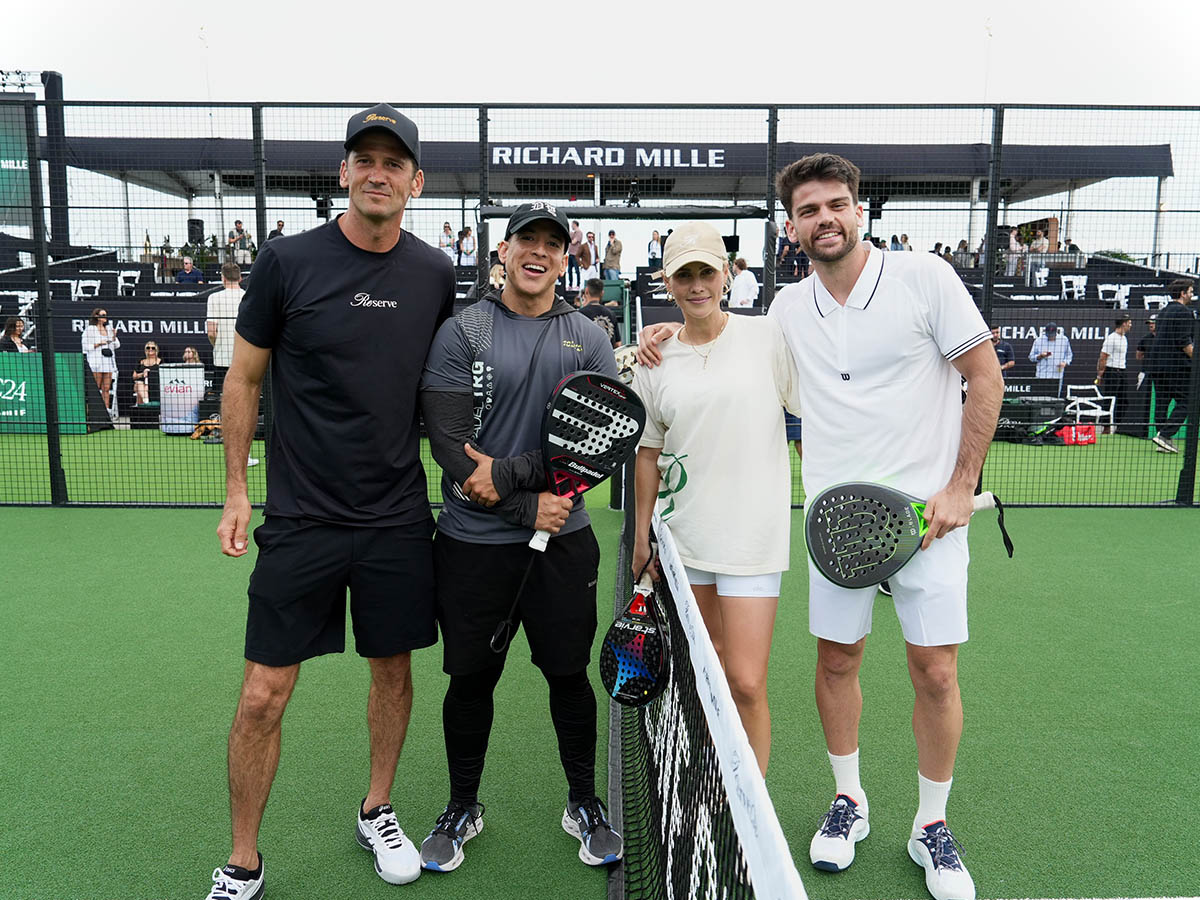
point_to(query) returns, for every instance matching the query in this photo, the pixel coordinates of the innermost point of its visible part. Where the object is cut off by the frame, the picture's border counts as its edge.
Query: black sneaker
(235, 883)
(588, 821)
(442, 850)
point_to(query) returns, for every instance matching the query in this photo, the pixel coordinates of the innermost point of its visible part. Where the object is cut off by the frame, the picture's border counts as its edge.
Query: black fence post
(58, 479)
(56, 167)
(260, 173)
(991, 244)
(1185, 494)
(770, 229)
(483, 242)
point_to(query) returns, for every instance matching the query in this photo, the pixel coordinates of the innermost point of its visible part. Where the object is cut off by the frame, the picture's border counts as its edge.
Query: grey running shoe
(442, 850)
(235, 883)
(1166, 445)
(588, 821)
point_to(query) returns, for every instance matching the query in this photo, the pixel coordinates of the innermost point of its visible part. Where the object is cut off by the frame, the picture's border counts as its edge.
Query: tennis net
(697, 819)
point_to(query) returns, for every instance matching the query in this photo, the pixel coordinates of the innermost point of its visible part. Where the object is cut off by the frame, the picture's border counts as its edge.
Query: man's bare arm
(239, 418)
(950, 507)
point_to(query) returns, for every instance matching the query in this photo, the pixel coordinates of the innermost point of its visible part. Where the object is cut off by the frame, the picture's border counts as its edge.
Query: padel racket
(860, 533)
(635, 661)
(591, 426)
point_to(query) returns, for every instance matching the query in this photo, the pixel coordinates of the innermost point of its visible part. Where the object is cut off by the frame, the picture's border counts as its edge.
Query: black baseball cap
(385, 118)
(531, 212)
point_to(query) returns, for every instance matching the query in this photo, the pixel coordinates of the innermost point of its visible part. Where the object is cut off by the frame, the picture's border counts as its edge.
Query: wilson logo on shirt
(364, 300)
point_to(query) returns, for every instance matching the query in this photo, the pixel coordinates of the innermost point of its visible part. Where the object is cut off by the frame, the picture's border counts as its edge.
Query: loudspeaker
(195, 231)
(733, 242)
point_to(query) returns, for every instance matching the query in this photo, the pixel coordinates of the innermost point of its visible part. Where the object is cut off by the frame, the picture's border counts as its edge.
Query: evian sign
(365, 300)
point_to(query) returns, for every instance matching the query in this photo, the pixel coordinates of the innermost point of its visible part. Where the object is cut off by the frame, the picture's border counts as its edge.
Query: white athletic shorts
(930, 596)
(737, 585)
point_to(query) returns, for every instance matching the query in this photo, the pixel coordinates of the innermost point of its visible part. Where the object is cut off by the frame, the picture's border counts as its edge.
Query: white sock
(845, 775)
(933, 796)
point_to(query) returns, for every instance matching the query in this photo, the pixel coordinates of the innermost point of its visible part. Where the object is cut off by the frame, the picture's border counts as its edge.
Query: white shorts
(737, 585)
(930, 596)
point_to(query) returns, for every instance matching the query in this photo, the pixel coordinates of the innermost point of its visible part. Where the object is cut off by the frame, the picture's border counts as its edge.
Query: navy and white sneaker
(235, 883)
(599, 845)
(939, 853)
(843, 826)
(442, 850)
(396, 859)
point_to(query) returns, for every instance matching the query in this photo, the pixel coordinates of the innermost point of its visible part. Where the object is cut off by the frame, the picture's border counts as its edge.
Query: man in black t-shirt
(592, 307)
(1171, 363)
(344, 315)
(1004, 352)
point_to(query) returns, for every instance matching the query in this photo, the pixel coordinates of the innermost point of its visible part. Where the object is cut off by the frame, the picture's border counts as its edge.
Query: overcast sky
(1072, 51)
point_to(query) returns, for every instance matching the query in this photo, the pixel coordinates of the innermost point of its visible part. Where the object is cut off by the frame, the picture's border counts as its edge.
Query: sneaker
(251, 462)
(235, 883)
(1166, 445)
(588, 821)
(442, 850)
(938, 852)
(396, 859)
(885, 588)
(832, 847)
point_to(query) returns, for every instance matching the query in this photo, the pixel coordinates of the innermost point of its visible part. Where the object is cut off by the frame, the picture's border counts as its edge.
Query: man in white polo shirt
(880, 341)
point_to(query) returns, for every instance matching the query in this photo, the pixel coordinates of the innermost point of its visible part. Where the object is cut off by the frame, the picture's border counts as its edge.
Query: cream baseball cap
(693, 242)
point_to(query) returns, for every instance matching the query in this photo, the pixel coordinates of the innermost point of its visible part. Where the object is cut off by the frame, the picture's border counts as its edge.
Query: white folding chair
(1084, 401)
(1156, 301)
(1074, 287)
(127, 282)
(1040, 276)
(1115, 294)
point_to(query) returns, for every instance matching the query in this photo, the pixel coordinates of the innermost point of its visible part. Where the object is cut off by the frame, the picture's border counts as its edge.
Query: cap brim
(696, 254)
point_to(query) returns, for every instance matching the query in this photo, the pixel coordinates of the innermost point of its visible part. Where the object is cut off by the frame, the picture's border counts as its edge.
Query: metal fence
(1068, 214)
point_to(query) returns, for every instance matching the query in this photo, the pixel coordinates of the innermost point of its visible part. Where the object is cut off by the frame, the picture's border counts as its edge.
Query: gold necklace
(695, 349)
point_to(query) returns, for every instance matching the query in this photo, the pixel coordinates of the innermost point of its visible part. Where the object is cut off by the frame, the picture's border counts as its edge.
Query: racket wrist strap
(1008, 544)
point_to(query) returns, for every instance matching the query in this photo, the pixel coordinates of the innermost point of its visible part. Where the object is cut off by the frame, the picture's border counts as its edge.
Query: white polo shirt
(223, 309)
(881, 400)
(1116, 347)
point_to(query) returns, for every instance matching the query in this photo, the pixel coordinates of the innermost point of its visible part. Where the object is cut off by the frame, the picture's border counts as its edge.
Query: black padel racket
(635, 660)
(860, 533)
(591, 426)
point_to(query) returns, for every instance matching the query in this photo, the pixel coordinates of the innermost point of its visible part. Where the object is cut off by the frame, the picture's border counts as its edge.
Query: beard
(828, 256)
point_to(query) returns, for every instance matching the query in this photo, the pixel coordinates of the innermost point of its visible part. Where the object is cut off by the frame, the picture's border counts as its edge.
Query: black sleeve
(449, 422)
(260, 314)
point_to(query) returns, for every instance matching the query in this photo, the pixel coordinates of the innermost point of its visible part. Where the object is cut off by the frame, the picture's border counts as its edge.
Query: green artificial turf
(121, 660)
(121, 663)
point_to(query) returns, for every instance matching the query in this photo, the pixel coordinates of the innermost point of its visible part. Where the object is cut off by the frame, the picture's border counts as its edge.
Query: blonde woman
(192, 355)
(99, 344)
(715, 451)
(142, 375)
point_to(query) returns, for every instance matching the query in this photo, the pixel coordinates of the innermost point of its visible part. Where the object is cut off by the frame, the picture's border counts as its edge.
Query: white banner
(768, 858)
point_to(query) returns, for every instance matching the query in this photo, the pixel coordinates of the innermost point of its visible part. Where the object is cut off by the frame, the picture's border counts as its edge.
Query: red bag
(1077, 434)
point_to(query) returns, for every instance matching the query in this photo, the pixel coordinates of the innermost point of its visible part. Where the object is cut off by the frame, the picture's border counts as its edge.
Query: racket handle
(986, 500)
(539, 540)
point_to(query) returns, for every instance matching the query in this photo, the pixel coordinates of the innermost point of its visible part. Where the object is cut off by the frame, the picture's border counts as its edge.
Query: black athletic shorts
(298, 590)
(476, 586)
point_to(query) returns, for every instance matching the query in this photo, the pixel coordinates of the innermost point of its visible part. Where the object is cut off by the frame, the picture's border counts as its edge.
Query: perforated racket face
(859, 534)
(591, 426)
(634, 659)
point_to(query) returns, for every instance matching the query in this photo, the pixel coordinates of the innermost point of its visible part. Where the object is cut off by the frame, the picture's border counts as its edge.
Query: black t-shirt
(348, 331)
(1173, 332)
(605, 318)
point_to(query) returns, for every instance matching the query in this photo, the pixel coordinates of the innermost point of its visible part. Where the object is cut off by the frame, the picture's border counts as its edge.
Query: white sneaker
(936, 850)
(396, 859)
(832, 847)
(251, 462)
(235, 883)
